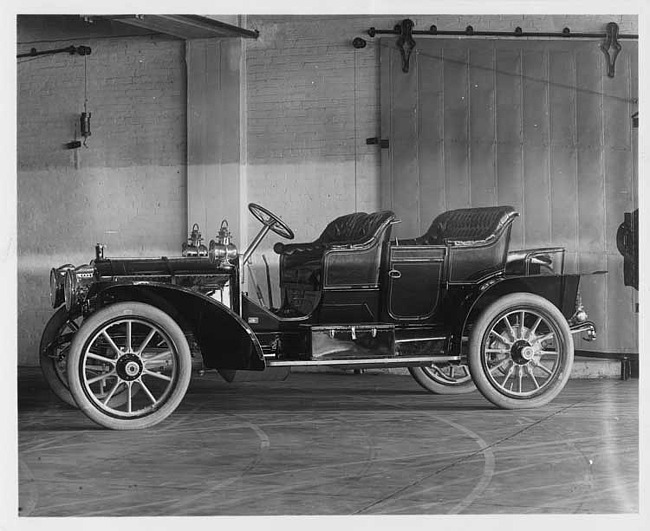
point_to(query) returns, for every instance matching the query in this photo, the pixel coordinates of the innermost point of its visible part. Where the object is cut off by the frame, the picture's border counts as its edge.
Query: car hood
(117, 267)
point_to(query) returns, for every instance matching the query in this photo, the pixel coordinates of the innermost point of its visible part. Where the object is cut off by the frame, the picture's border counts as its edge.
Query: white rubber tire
(180, 351)
(478, 365)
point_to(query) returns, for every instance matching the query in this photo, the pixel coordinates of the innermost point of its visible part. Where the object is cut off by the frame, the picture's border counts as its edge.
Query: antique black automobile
(453, 305)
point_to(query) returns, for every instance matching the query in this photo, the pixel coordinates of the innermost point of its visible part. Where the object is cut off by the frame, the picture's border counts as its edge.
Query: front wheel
(521, 351)
(133, 349)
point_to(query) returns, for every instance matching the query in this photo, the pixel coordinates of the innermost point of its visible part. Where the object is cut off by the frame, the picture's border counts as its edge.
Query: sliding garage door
(535, 124)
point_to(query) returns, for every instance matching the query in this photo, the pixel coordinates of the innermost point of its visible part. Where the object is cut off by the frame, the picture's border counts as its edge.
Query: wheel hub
(522, 352)
(129, 367)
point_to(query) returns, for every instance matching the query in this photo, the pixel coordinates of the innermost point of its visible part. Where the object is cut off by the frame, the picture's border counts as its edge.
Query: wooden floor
(324, 444)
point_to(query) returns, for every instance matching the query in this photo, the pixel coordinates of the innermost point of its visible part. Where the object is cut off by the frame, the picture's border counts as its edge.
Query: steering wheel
(272, 221)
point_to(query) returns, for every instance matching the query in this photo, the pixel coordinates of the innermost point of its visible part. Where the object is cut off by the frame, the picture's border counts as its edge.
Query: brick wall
(126, 189)
(313, 99)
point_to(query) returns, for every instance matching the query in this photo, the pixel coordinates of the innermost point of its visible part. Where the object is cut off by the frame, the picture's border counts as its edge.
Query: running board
(403, 361)
(416, 339)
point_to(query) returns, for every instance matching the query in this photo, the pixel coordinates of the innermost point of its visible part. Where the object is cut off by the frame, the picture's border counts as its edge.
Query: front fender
(226, 340)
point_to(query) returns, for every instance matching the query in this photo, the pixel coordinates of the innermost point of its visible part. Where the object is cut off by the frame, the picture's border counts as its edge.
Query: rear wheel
(140, 351)
(521, 351)
(444, 378)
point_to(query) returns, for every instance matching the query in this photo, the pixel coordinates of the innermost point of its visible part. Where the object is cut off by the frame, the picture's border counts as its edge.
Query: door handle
(394, 273)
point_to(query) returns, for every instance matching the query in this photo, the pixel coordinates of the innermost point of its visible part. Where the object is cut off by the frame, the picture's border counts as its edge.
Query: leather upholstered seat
(477, 238)
(467, 226)
(356, 233)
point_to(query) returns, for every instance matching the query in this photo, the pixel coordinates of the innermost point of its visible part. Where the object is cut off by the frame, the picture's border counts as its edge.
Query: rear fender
(561, 290)
(226, 341)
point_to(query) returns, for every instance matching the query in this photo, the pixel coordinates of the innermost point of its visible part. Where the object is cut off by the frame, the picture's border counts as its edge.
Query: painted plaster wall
(126, 189)
(213, 139)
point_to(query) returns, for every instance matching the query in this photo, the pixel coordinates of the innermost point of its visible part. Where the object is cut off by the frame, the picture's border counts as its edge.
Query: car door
(414, 277)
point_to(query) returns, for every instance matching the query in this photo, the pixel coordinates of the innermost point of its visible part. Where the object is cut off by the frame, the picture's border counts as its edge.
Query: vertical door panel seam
(603, 171)
(417, 142)
(574, 68)
(548, 146)
(495, 151)
(441, 101)
(521, 145)
(468, 127)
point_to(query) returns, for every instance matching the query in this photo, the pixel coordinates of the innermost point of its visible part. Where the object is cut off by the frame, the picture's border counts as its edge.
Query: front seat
(348, 252)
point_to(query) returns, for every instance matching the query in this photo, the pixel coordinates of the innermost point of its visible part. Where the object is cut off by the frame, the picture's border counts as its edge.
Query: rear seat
(478, 240)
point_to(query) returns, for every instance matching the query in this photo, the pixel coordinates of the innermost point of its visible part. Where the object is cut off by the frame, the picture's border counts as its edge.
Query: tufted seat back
(350, 229)
(477, 238)
(468, 226)
(353, 228)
